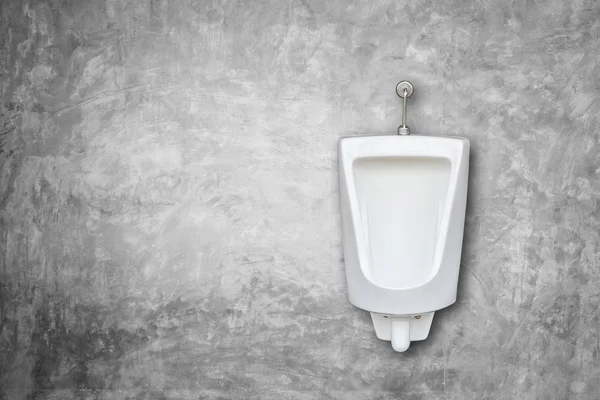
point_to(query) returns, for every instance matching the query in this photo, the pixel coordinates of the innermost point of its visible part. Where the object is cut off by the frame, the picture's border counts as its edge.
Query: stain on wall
(169, 220)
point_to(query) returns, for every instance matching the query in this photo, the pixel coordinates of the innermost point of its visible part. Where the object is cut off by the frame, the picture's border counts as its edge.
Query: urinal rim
(449, 154)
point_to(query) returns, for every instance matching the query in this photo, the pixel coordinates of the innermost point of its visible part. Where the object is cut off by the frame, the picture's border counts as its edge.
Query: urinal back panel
(401, 201)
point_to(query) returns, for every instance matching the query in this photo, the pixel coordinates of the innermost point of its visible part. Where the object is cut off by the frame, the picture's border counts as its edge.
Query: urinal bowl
(403, 204)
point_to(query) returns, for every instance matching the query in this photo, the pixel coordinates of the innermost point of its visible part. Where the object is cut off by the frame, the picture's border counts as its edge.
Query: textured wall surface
(169, 220)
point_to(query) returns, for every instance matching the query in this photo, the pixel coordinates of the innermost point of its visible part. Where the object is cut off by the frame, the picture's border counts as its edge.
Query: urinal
(403, 200)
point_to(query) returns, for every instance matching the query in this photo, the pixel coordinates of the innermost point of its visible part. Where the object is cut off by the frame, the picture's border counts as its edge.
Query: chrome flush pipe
(404, 89)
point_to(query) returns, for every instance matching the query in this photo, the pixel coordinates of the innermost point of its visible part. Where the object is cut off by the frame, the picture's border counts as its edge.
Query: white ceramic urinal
(403, 204)
(403, 208)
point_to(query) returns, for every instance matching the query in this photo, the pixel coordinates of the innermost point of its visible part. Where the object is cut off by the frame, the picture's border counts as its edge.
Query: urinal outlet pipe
(401, 333)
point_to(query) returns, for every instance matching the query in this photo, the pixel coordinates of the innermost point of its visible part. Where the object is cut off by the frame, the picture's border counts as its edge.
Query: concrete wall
(169, 208)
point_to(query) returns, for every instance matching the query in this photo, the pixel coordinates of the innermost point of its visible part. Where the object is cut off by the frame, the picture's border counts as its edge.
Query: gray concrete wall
(169, 208)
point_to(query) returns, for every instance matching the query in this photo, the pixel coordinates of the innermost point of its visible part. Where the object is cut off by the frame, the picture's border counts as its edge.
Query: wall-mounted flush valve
(404, 89)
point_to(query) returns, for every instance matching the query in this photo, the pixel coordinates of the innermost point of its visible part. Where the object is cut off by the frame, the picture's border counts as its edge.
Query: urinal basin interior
(401, 202)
